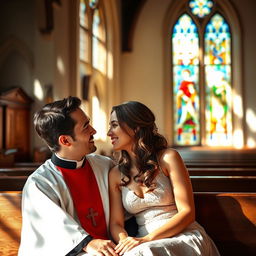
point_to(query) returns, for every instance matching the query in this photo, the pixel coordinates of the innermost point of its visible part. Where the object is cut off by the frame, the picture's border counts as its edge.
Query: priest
(65, 205)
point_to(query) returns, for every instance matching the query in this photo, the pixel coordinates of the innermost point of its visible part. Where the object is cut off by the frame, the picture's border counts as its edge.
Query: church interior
(124, 50)
(191, 62)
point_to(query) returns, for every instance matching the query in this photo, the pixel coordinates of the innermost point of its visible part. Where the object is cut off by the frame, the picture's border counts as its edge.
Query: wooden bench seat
(10, 222)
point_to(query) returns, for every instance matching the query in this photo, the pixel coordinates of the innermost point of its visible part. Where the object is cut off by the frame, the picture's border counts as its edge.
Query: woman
(151, 183)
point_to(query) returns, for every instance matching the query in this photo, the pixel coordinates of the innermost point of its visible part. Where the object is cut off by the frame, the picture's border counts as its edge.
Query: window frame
(175, 10)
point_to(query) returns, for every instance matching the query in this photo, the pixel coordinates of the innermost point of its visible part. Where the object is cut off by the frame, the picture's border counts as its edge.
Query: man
(65, 205)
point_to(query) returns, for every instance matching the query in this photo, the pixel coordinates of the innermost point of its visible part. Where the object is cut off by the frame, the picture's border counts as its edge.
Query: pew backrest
(230, 220)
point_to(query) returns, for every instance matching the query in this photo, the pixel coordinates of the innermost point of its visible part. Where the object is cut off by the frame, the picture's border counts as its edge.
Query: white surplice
(50, 226)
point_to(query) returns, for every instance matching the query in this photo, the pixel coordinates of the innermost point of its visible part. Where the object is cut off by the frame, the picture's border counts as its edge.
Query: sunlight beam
(38, 90)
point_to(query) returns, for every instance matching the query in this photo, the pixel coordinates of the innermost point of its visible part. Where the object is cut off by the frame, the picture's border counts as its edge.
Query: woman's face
(121, 139)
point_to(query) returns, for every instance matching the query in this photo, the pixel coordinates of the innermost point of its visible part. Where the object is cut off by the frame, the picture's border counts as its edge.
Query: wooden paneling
(1, 127)
(16, 123)
(17, 131)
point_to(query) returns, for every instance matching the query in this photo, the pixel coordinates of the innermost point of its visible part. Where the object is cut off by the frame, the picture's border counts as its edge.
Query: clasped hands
(128, 243)
(100, 247)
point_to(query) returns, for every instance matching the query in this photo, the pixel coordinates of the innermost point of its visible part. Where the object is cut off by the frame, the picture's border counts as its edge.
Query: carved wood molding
(15, 97)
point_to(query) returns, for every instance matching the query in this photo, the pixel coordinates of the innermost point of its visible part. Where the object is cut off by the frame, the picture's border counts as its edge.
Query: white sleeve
(47, 228)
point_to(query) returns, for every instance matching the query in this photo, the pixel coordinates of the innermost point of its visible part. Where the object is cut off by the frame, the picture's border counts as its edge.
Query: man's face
(83, 142)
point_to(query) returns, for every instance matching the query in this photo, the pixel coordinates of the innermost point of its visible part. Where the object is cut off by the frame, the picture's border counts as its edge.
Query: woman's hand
(100, 247)
(128, 243)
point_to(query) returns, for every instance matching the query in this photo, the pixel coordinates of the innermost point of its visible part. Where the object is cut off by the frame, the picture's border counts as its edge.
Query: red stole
(85, 193)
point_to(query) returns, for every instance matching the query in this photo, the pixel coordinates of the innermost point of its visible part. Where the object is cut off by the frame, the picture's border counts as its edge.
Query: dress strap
(160, 167)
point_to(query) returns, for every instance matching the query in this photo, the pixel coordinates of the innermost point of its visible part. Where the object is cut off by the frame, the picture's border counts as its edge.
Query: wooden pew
(230, 220)
(217, 212)
(12, 183)
(218, 158)
(34, 165)
(199, 183)
(17, 171)
(239, 155)
(10, 222)
(223, 183)
(14, 178)
(219, 164)
(193, 171)
(222, 171)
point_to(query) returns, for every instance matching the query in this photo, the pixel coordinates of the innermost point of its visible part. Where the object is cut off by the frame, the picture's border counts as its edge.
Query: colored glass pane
(99, 60)
(93, 3)
(185, 54)
(98, 29)
(84, 44)
(84, 36)
(83, 14)
(218, 82)
(217, 41)
(185, 42)
(218, 105)
(200, 8)
(98, 40)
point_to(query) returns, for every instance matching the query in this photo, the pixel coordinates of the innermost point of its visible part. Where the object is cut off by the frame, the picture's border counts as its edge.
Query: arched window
(93, 61)
(203, 93)
(92, 36)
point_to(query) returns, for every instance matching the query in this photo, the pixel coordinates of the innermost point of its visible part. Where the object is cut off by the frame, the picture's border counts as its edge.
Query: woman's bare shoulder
(168, 154)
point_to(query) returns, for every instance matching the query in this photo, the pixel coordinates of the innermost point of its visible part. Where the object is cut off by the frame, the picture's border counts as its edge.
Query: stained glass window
(92, 35)
(185, 43)
(93, 60)
(99, 38)
(201, 69)
(84, 32)
(218, 83)
(83, 15)
(200, 8)
(93, 3)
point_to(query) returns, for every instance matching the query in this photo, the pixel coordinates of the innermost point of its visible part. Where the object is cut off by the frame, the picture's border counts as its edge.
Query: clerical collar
(66, 163)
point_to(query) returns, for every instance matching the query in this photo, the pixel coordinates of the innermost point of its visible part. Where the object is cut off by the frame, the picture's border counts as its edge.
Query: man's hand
(100, 247)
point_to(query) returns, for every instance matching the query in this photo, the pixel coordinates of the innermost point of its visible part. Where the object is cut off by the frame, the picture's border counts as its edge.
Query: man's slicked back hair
(54, 120)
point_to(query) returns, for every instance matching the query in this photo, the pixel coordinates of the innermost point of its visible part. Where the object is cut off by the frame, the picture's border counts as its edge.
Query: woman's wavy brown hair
(147, 142)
